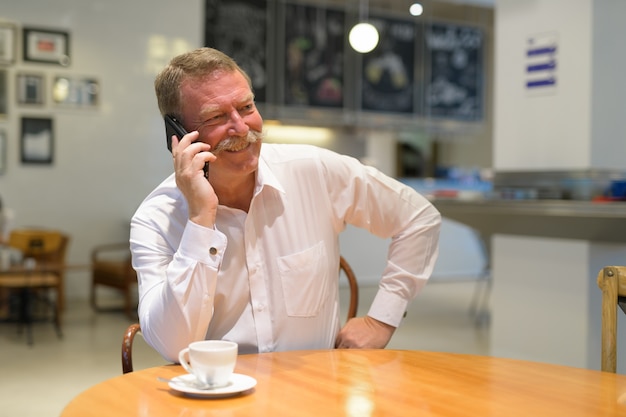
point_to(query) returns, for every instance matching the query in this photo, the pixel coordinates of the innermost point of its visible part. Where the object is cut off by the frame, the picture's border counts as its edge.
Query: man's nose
(238, 126)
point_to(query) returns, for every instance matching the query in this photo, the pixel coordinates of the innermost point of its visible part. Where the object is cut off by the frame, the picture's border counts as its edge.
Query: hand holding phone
(174, 127)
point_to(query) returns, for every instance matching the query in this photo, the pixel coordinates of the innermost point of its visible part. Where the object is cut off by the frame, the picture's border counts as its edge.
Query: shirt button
(213, 251)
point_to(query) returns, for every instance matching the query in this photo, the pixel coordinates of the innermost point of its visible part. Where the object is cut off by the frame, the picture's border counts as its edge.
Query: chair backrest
(354, 286)
(127, 347)
(43, 245)
(612, 282)
(133, 329)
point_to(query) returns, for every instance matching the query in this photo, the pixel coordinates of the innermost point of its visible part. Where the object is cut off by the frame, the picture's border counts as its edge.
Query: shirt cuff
(202, 244)
(388, 308)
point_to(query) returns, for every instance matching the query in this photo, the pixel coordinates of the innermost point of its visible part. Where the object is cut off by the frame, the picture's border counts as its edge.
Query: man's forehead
(232, 98)
(220, 91)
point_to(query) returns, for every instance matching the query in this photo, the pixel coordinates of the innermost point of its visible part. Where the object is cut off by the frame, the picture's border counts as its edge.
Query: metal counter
(586, 220)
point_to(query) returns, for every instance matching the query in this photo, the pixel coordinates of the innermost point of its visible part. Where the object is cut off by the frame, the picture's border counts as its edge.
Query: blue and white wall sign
(541, 62)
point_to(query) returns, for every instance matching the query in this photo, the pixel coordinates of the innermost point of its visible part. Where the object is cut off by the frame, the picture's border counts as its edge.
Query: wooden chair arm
(612, 281)
(127, 347)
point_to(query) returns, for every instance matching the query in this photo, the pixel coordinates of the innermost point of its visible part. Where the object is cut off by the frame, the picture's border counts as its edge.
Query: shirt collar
(265, 178)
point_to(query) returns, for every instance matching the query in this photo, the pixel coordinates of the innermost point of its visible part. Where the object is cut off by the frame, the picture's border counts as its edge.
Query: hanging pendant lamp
(363, 37)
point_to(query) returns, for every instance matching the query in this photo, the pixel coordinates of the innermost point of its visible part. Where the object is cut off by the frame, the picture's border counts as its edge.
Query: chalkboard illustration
(454, 86)
(239, 29)
(314, 58)
(387, 73)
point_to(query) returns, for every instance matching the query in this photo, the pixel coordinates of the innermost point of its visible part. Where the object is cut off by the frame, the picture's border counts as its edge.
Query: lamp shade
(363, 37)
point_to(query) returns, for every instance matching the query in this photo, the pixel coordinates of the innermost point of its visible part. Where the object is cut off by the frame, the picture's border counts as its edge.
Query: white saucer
(238, 384)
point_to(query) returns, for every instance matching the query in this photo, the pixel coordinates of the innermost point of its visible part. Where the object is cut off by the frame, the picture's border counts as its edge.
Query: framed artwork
(454, 72)
(30, 88)
(46, 46)
(37, 140)
(314, 56)
(3, 151)
(7, 43)
(388, 72)
(76, 91)
(4, 100)
(248, 47)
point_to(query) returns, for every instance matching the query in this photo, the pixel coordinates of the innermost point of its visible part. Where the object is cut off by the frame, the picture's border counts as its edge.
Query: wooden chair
(33, 282)
(612, 282)
(133, 329)
(344, 267)
(111, 267)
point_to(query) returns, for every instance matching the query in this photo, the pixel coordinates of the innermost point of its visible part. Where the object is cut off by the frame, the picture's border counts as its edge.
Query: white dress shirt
(268, 279)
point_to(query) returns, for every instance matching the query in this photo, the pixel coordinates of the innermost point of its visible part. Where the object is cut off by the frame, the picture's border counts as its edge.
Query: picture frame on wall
(7, 43)
(37, 140)
(3, 151)
(46, 46)
(75, 91)
(30, 88)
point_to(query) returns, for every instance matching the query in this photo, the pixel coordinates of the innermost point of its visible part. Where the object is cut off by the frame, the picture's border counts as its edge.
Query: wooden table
(43, 274)
(370, 383)
(25, 283)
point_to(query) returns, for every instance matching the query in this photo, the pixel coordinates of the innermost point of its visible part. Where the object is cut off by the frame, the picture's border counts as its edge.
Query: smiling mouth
(232, 147)
(238, 147)
(234, 144)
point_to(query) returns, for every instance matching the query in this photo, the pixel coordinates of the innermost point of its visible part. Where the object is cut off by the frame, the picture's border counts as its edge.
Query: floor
(39, 380)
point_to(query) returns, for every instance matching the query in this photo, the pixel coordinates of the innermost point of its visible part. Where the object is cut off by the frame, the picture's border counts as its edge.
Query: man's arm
(177, 253)
(364, 197)
(176, 289)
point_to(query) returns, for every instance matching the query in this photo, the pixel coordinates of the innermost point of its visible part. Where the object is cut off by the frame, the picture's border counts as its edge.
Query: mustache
(236, 142)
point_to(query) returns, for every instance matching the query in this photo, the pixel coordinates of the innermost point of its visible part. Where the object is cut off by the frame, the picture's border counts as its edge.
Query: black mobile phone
(174, 127)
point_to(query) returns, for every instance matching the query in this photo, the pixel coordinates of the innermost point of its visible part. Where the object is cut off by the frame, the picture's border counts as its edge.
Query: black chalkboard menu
(387, 72)
(297, 55)
(314, 56)
(454, 87)
(239, 29)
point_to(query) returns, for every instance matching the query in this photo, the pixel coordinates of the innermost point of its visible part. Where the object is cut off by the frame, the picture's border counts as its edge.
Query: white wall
(579, 124)
(608, 129)
(105, 160)
(542, 130)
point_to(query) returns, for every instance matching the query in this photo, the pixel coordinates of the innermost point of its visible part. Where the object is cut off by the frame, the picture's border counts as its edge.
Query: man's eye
(214, 119)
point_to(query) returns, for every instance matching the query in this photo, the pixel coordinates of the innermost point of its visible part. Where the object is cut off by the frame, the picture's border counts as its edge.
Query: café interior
(522, 158)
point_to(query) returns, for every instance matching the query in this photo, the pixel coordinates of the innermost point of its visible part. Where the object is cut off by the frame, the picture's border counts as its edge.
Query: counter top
(569, 219)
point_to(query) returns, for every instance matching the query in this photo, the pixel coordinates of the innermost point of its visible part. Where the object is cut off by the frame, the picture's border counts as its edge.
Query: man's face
(221, 108)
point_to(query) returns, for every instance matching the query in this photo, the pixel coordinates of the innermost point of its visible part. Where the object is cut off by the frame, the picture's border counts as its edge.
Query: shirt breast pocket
(304, 278)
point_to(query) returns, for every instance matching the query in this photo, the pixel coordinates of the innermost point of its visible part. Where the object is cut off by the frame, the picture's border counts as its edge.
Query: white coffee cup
(211, 361)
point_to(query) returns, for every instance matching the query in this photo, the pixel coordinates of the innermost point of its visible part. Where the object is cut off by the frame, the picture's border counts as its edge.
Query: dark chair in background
(133, 329)
(111, 267)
